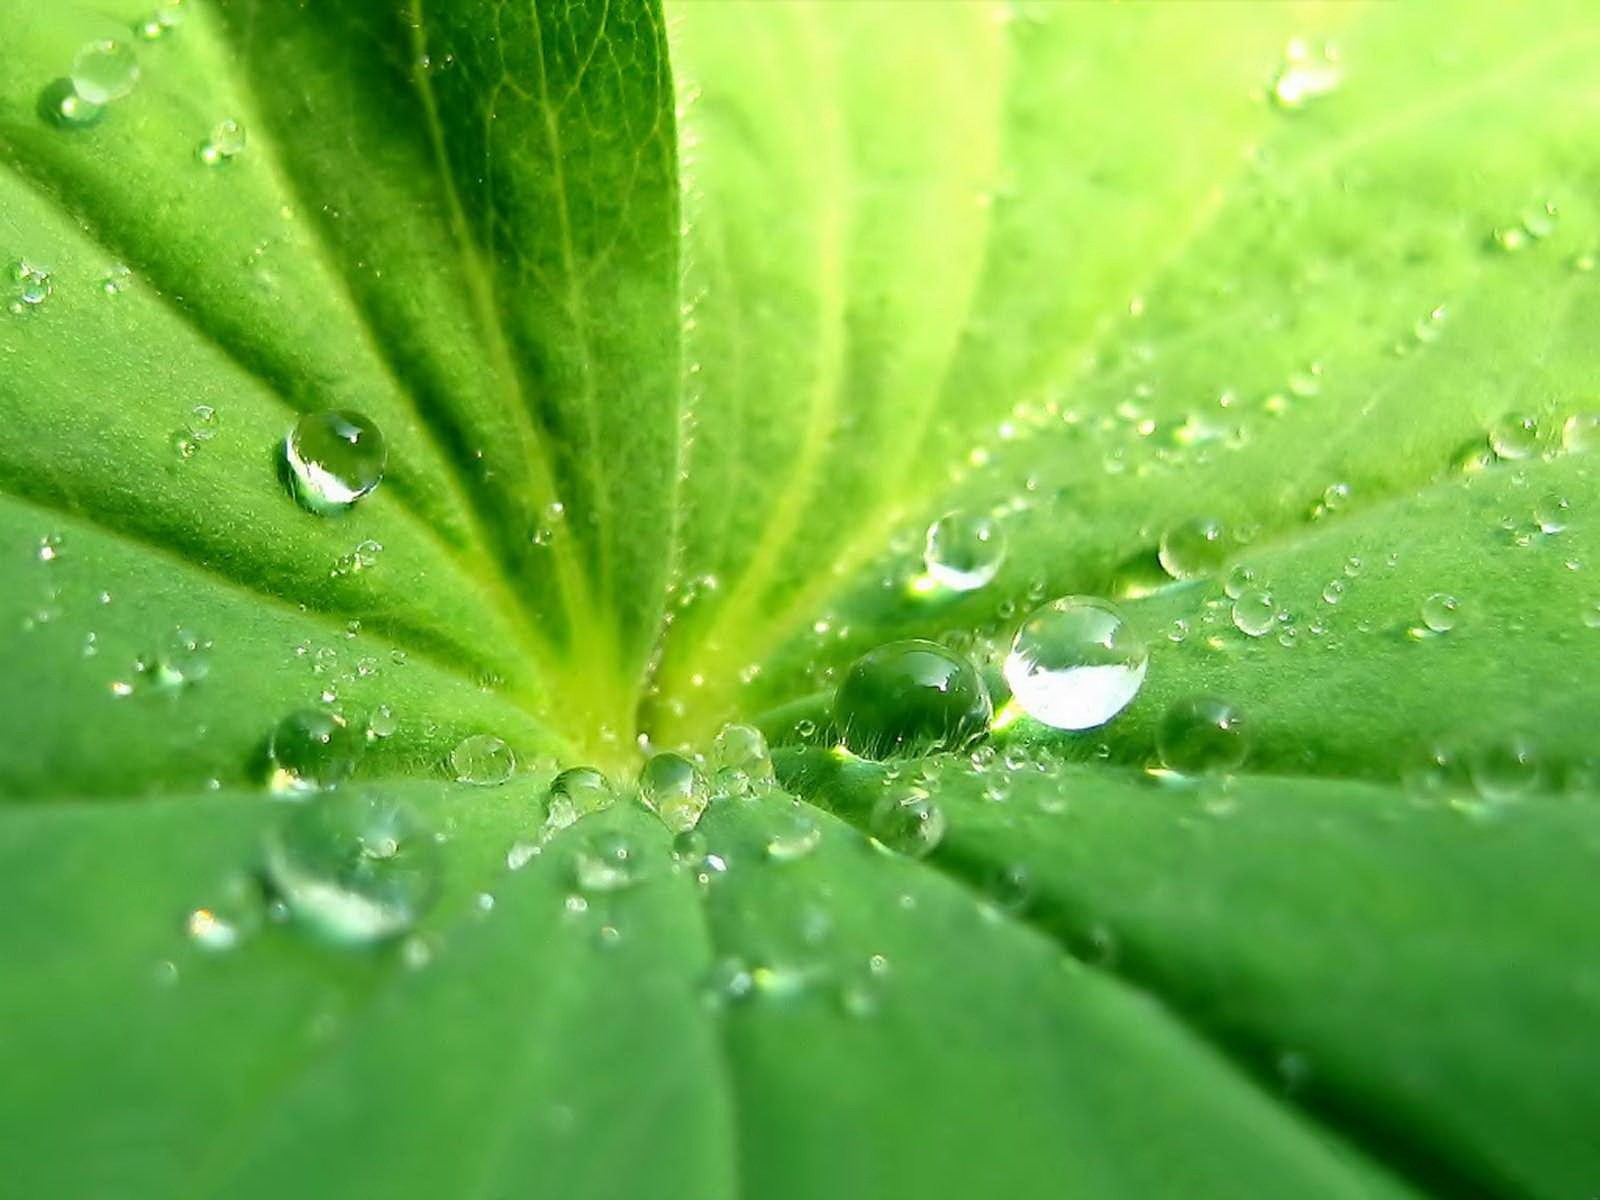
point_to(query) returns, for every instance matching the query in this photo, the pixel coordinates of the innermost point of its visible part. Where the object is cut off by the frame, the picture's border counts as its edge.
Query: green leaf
(682, 323)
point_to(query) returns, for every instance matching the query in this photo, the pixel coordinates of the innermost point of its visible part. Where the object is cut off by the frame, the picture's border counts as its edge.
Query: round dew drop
(1193, 548)
(357, 869)
(1439, 612)
(312, 749)
(1255, 612)
(227, 142)
(911, 697)
(795, 834)
(335, 458)
(964, 551)
(906, 820)
(1075, 663)
(739, 753)
(1202, 734)
(104, 71)
(670, 784)
(1514, 436)
(482, 759)
(574, 793)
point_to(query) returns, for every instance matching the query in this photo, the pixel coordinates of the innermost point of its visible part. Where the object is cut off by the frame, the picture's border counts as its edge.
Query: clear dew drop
(1333, 591)
(1202, 734)
(964, 551)
(312, 748)
(1255, 612)
(1440, 612)
(907, 820)
(1075, 663)
(381, 723)
(1580, 433)
(1514, 436)
(575, 793)
(1552, 513)
(61, 105)
(1591, 615)
(356, 869)
(105, 70)
(166, 17)
(794, 835)
(911, 697)
(673, 786)
(334, 458)
(1238, 582)
(483, 760)
(1193, 549)
(605, 863)
(225, 143)
(739, 757)
(1504, 768)
(184, 660)
(31, 285)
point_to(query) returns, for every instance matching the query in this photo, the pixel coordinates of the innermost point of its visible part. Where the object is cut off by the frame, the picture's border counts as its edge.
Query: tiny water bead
(911, 697)
(1440, 612)
(335, 458)
(483, 760)
(1193, 549)
(964, 551)
(1202, 734)
(1514, 436)
(1255, 612)
(226, 142)
(313, 748)
(31, 285)
(105, 70)
(356, 869)
(605, 863)
(1075, 663)
(672, 785)
(907, 821)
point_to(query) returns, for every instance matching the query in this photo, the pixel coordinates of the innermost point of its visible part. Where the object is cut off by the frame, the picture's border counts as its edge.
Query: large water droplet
(672, 785)
(105, 70)
(313, 748)
(335, 458)
(964, 551)
(911, 697)
(907, 820)
(1075, 663)
(1193, 548)
(356, 869)
(482, 759)
(1202, 734)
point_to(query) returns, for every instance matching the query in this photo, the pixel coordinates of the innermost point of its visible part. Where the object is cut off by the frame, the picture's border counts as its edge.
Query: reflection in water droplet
(483, 760)
(739, 758)
(1580, 434)
(1202, 734)
(310, 749)
(911, 697)
(335, 458)
(1075, 664)
(964, 551)
(356, 869)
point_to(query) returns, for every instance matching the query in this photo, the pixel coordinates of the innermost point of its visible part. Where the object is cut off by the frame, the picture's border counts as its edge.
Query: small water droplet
(740, 757)
(794, 835)
(310, 749)
(184, 659)
(226, 142)
(1238, 581)
(1193, 549)
(356, 869)
(1440, 612)
(335, 458)
(574, 793)
(31, 285)
(1504, 769)
(105, 70)
(1255, 612)
(673, 786)
(1333, 591)
(911, 697)
(1514, 436)
(906, 820)
(605, 863)
(1202, 734)
(1075, 663)
(964, 551)
(1580, 433)
(236, 913)
(1553, 513)
(483, 760)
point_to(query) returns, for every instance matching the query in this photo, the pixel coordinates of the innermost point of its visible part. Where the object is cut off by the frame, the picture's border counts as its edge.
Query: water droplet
(1255, 612)
(906, 820)
(728, 982)
(162, 21)
(1552, 513)
(1591, 615)
(357, 869)
(794, 835)
(605, 863)
(226, 143)
(335, 458)
(105, 70)
(1075, 663)
(32, 285)
(1580, 433)
(910, 698)
(310, 749)
(185, 659)
(1514, 436)
(964, 551)
(1333, 591)
(1334, 497)
(61, 105)
(1306, 73)
(227, 919)
(1239, 579)
(1193, 548)
(740, 757)
(574, 793)
(482, 759)
(1504, 769)
(381, 723)
(1440, 612)
(1201, 734)
(670, 784)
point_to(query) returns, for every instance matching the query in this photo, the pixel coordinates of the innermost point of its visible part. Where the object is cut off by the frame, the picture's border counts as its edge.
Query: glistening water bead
(483, 760)
(1201, 734)
(1193, 548)
(311, 749)
(335, 458)
(911, 697)
(104, 71)
(964, 551)
(356, 869)
(1075, 664)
